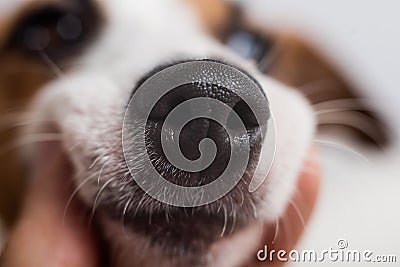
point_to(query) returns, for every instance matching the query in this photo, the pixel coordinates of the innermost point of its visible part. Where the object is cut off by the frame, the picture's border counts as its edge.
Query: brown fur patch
(22, 74)
(20, 79)
(300, 65)
(216, 15)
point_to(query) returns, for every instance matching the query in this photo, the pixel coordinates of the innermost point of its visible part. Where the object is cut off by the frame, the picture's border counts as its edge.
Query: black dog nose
(198, 129)
(194, 90)
(194, 131)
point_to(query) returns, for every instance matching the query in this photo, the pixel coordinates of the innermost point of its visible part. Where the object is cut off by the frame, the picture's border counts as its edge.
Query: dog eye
(47, 29)
(58, 31)
(251, 45)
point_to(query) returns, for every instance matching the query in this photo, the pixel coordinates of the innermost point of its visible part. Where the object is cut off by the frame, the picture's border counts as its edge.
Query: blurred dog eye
(57, 31)
(251, 45)
(47, 29)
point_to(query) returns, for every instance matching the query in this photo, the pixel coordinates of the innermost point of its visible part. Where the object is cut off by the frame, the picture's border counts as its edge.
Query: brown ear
(298, 64)
(340, 107)
(215, 15)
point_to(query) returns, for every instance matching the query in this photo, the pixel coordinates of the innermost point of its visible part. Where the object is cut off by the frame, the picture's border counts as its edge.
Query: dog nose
(200, 128)
(221, 115)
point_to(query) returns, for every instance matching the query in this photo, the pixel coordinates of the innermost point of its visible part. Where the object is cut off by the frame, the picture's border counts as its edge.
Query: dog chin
(132, 249)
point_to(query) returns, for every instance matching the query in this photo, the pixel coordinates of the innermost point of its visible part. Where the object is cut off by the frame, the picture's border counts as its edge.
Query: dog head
(100, 55)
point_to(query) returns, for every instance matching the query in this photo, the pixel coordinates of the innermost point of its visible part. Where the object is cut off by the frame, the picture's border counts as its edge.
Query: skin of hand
(45, 237)
(293, 223)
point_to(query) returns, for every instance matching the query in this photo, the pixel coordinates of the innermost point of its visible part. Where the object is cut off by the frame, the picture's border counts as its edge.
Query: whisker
(255, 213)
(139, 204)
(287, 229)
(127, 205)
(353, 119)
(241, 198)
(101, 170)
(335, 110)
(35, 138)
(74, 146)
(125, 210)
(75, 192)
(344, 103)
(341, 148)
(16, 119)
(299, 198)
(233, 214)
(297, 210)
(225, 221)
(27, 123)
(96, 200)
(51, 64)
(276, 230)
(95, 161)
(219, 207)
(11, 118)
(128, 173)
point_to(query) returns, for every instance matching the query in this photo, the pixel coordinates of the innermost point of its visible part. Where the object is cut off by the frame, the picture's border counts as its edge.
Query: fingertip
(303, 201)
(309, 181)
(45, 235)
(285, 232)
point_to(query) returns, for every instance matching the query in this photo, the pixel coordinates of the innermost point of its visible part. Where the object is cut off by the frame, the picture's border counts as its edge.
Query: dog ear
(340, 105)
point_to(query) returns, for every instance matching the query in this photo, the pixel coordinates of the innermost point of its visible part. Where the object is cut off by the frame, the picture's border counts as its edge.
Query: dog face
(95, 94)
(108, 50)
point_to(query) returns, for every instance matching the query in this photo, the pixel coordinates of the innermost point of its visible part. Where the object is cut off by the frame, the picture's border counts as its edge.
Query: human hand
(43, 237)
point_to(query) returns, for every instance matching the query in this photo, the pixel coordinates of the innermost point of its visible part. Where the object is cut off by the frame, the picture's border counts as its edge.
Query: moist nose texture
(198, 129)
(197, 119)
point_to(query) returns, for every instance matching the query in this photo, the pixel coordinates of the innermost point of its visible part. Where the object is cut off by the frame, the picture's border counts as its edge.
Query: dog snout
(191, 113)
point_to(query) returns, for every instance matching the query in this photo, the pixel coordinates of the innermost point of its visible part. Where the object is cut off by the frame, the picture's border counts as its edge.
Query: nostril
(197, 129)
(246, 115)
(191, 135)
(197, 121)
(167, 103)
